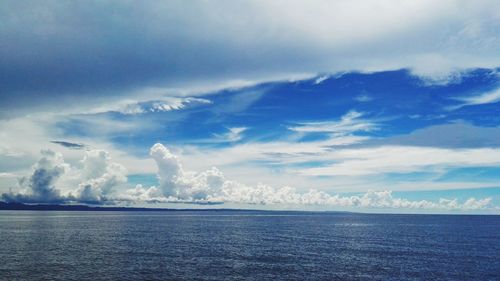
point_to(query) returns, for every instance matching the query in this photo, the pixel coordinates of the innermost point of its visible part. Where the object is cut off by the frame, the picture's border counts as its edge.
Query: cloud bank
(177, 185)
(54, 181)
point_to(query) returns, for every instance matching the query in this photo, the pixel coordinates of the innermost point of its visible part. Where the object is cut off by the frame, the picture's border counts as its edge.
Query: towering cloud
(177, 185)
(40, 187)
(169, 170)
(54, 181)
(99, 176)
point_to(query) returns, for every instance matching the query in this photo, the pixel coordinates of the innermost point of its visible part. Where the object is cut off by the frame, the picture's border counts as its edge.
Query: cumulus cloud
(54, 181)
(93, 182)
(40, 185)
(99, 176)
(211, 186)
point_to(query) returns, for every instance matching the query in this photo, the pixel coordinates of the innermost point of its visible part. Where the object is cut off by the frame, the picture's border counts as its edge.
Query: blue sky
(181, 105)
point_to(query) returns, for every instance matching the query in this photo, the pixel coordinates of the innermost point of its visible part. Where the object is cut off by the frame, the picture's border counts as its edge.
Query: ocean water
(232, 245)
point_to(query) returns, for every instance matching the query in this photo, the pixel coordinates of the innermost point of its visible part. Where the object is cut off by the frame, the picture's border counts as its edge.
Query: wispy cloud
(7, 175)
(363, 98)
(151, 106)
(320, 79)
(484, 98)
(349, 123)
(234, 134)
(401, 159)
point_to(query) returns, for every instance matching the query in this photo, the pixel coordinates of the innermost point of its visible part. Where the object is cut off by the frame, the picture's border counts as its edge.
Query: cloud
(401, 159)
(179, 186)
(7, 175)
(349, 123)
(176, 183)
(458, 134)
(234, 134)
(150, 106)
(99, 176)
(40, 186)
(363, 98)
(99, 126)
(73, 52)
(21, 140)
(53, 181)
(70, 145)
(320, 79)
(169, 170)
(475, 204)
(484, 98)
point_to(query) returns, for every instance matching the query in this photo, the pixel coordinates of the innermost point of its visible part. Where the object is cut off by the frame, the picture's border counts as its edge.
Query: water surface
(232, 245)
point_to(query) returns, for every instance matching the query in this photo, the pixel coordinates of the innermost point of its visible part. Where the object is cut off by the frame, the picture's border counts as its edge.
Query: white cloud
(320, 79)
(52, 180)
(337, 166)
(349, 123)
(475, 204)
(401, 159)
(99, 176)
(279, 152)
(233, 134)
(128, 106)
(142, 194)
(7, 175)
(21, 140)
(177, 185)
(169, 170)
(363, 98)
(484, 98)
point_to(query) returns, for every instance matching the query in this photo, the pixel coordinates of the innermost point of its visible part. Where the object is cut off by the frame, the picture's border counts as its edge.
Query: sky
(370, 106)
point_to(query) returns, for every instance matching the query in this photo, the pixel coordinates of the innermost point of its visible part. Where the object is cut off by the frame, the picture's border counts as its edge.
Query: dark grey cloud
(70, 145)
(41, 184)
(55, 49)
(63, 52)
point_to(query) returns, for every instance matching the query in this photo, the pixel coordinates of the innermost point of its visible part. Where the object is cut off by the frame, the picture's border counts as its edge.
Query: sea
(246, 245)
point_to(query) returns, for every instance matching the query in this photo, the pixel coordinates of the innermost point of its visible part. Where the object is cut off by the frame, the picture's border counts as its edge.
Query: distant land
(55, 207)
(15, 206)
